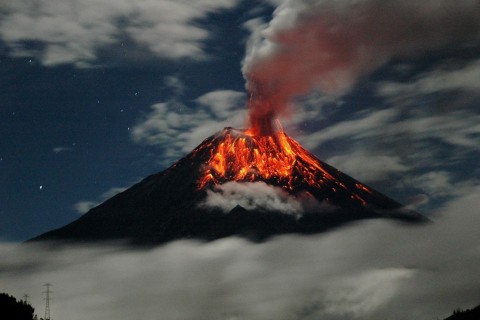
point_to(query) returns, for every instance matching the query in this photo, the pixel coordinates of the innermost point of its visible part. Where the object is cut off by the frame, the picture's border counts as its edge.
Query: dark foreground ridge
(469, 314)
(165, 206)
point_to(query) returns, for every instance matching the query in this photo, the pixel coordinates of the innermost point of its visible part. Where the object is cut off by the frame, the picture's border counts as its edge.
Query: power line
(47, 299)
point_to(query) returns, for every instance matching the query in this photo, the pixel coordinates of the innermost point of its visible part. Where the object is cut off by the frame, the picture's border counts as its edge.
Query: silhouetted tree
(11, 309)
(472, 314)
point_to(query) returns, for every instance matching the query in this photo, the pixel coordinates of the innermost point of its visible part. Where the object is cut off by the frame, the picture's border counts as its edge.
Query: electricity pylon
(47, 300)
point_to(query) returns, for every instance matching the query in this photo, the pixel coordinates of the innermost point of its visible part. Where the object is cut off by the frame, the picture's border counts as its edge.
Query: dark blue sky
(86, 110)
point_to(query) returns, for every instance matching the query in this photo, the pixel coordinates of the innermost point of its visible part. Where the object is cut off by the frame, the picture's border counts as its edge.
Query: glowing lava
(277, 159)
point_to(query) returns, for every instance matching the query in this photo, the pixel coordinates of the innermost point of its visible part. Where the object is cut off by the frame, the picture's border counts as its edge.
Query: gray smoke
(330, 44)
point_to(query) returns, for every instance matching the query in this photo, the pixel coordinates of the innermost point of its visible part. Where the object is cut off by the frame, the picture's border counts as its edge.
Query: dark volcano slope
(165, 207)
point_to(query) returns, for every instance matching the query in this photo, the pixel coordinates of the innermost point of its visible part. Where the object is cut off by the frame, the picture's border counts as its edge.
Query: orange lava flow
(240, 156)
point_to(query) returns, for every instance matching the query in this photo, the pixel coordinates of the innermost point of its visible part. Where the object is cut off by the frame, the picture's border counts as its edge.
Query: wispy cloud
(360, 125)
(441, 184)
(68, 32)
(84, 206)
(420, 135)
(406, 150)
(368, 167)
(176, 128)
(61, 149)
(455, 128)
(463, 78)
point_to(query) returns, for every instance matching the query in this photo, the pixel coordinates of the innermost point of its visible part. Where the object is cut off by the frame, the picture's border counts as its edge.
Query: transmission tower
(25, 298)
(47, 299)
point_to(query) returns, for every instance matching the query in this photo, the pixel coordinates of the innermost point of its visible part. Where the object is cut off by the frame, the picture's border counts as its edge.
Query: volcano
(174, 204)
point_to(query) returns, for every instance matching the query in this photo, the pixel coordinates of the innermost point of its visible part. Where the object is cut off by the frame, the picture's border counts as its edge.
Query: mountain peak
(168, 205)
(280, 161)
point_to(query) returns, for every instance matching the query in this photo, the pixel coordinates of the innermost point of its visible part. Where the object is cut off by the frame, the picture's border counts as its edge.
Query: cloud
(175, 84)
(369, 167)
(439, 184)
(64, 32)
(371, 270)
(435, 111)
(462, 78)
(177, 128)
(251, 195)
(348, 299)
(361, 125)
(455, 128)
(406, 148)
(222, 103)
(61, 149)
(84, 206)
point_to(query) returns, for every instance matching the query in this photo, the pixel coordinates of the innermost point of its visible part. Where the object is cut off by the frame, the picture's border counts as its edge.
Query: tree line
(13, 309)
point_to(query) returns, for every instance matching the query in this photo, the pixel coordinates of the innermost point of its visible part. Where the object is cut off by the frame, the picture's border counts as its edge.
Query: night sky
(96, 95)
(93, 101)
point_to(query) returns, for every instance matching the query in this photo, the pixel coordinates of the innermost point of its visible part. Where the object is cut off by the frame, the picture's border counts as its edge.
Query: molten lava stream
(241, 156)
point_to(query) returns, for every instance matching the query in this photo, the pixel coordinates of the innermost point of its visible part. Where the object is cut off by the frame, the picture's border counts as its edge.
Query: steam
(251, 195)
(260, 196)
(330, 44)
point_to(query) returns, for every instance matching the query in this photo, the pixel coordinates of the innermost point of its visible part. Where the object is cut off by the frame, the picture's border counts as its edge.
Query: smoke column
(330, 44)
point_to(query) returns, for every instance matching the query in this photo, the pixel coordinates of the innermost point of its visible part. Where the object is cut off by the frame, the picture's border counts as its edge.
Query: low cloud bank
(370, 270)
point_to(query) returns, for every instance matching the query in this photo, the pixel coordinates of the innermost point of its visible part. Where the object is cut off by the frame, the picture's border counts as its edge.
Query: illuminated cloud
(177, 128)
(462, 78)
(67, 32)
(441, 184)
(361, 125)
(368, 167)
(458, 129)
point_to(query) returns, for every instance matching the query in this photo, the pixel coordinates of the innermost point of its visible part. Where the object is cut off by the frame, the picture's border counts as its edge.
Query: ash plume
(330, 44)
